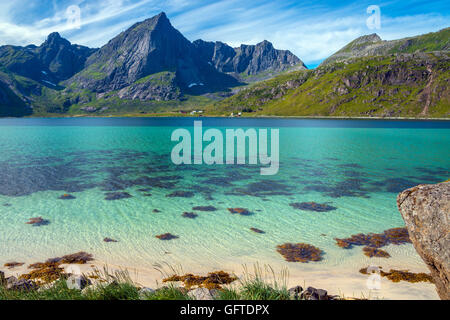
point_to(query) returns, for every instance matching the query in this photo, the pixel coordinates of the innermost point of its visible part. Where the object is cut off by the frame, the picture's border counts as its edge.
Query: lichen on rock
(426, 212)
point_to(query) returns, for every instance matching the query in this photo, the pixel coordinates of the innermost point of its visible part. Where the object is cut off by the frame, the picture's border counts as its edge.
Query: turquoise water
(356, 166)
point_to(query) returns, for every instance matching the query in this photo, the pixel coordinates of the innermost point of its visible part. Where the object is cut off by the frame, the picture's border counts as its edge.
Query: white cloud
(310, 30)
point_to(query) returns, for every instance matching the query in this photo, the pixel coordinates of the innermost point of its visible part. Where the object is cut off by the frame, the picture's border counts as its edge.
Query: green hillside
(398, 85)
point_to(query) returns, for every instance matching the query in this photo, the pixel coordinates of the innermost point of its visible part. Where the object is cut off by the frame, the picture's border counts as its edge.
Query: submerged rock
(166, 236)
(117, 195)
(299, 252)
(312, 206)
(426, 212)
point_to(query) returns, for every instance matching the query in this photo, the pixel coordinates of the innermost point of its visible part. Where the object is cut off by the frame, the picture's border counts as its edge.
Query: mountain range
(152, 68)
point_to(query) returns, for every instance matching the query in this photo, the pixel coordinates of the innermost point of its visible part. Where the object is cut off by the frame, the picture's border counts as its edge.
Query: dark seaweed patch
(117, 195)
(38, 221)
(66, 196)
(352, 173)
(375, 252)
(180, 194)
(256, 230)
(204, 208)
(13, 264)
(402, 275)
(395, 236)
(166, 236)
(396, 185)
(263, 188)
(312, 206)
(438, 171)
(351, 165)
(240, 211)
(214, 280)
(218, 181)
(300, 252)
(190, 215)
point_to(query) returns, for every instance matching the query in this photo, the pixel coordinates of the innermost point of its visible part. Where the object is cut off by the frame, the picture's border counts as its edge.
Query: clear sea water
(357, 166)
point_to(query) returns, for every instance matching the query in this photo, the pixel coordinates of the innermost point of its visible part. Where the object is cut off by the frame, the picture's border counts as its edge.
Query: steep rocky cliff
(248, 60)
(426, 211)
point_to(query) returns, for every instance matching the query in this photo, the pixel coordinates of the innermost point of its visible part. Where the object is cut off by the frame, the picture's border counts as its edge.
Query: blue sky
(311, 29)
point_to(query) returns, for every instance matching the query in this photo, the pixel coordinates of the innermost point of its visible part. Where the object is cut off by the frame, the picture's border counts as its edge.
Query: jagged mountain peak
(146, 48)
(54, 39)
(373, 37)
(158, 21)
(54, 60)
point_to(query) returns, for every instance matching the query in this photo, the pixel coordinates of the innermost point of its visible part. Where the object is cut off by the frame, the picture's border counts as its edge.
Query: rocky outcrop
(150, 47)
(54, 60)
(426, 211)
(373, 45)
(247, 59)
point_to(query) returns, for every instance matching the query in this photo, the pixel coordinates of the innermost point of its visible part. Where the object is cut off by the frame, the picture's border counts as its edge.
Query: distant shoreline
(177, 115)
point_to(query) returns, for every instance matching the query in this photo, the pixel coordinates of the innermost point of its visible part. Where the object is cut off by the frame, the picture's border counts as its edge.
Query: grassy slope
(433, 41)
(324, 92)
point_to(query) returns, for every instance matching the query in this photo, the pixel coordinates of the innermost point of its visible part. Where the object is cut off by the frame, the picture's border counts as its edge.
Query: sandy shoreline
(337, 281)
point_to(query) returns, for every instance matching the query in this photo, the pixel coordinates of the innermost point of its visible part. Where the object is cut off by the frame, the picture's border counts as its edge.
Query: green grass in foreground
(119, 286)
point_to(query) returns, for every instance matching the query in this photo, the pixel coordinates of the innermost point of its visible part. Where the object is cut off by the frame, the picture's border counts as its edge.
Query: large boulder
(426, 211)
(12, 283)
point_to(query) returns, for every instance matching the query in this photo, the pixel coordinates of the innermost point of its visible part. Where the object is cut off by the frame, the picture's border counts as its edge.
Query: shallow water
(358, 167)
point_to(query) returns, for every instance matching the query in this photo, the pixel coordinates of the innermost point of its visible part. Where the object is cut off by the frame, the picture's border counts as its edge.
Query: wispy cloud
(311, 29)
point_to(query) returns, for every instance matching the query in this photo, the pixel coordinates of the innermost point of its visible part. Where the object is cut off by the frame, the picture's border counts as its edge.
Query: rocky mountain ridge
(150, 61)
(373, 45)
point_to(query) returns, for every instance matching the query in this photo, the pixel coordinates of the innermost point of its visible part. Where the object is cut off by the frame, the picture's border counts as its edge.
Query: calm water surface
(356, 166)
